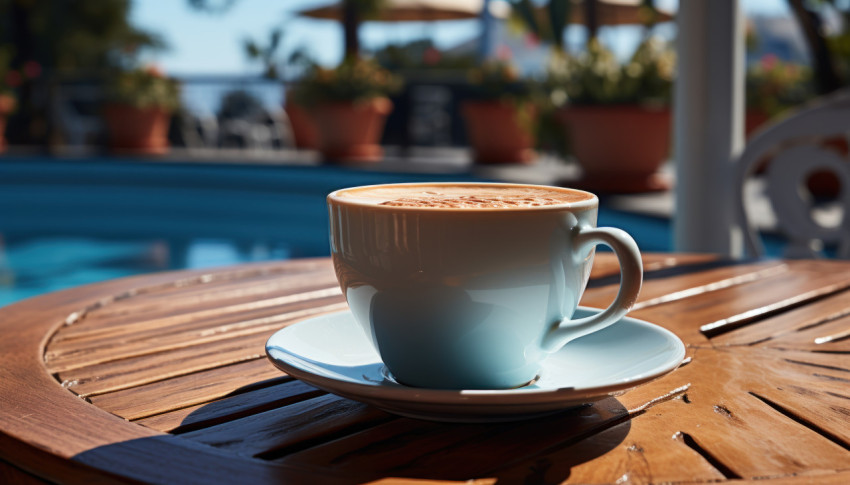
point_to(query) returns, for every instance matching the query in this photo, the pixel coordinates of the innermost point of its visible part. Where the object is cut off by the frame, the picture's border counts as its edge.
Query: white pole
(708, 124)
(485, 42)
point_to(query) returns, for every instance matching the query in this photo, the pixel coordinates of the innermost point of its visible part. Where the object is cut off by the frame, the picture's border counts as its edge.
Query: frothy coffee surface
(465, 196)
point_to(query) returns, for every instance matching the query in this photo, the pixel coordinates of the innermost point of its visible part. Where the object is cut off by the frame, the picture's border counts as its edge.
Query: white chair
(795, 148)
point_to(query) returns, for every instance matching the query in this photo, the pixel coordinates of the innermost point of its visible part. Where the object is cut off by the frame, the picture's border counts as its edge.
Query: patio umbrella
(407, 10)
(590, 13)
(347, 12)
(613, 12)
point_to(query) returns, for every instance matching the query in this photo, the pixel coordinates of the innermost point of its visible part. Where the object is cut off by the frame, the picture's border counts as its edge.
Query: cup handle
(631, 278)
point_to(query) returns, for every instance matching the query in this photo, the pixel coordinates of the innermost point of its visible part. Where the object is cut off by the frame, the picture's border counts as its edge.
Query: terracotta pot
(304, 128)
(352, 131)
(500, 132)
(134, 130)
(7, 105)
(620, 148)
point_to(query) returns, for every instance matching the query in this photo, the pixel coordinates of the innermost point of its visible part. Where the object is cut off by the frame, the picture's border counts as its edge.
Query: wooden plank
(137, 289)
(790, 323)
(162, 303)
(191, 298)
(696, 317)
(776, 409)
(605, 263)
(831, 336)
(638, 453)
(656, 291)
(817, 477)
(79, 354)
(47, 429)
(184, 391)
(314, 420)
(715, 429)
(145, 369)
(230, 407)
(11, 475)
(188, 317)
(436, 451)
(839, 361)
(731, 427)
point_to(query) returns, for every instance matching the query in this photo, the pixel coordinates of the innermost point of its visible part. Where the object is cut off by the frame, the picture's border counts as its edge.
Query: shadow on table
(274, 446)
(376, 445)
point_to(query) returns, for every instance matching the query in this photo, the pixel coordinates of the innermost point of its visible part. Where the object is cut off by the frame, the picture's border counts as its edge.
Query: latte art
(464, 196)
(473, 202)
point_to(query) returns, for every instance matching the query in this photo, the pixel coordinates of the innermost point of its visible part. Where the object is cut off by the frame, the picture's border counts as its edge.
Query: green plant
(144, 88)
(267, 54)
(420, 55)
(596, 77)
(774, 86)
(354, 80)
(9, 79)
(547, 22)
(499, 79)
(59, 41)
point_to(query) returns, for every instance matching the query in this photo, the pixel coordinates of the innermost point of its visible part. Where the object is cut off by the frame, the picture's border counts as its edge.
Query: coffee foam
(464, 196)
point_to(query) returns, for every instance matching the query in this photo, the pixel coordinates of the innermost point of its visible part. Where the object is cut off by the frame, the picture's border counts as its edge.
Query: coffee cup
(472, 285)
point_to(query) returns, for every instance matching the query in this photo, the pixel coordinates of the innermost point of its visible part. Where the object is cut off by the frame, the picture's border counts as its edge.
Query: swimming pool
(68, 222)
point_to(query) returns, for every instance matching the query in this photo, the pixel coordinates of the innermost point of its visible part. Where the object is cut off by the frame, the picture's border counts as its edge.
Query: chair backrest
(813, 139)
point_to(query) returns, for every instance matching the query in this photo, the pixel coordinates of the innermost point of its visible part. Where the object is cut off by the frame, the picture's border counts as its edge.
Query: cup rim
(589, 203)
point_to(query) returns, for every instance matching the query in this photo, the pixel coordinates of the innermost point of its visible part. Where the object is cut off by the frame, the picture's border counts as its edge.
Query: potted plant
(138, 111)
(500, 117)
(773, 86)
(304, 130)
(349, 105)
(617, 114)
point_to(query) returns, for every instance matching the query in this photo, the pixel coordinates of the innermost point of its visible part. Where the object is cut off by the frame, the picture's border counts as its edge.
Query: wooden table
(163, 378)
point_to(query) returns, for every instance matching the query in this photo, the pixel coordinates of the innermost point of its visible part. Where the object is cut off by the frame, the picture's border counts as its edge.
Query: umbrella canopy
(414, 10)
(616, 12)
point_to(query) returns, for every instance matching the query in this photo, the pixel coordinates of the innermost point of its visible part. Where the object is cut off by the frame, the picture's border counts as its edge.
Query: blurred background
(150, 135)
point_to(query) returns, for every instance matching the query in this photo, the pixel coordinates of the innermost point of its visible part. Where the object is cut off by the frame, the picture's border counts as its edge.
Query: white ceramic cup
(473, 299)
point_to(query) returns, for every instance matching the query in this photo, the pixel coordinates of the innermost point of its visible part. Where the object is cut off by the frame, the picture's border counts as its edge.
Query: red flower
(769, 61)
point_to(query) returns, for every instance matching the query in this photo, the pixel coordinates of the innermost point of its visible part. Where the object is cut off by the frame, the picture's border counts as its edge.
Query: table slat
(282, 429)
(184, 391)
(113, 319)
(198, 331)
(413, 448)
(700, 317)
(231, 407)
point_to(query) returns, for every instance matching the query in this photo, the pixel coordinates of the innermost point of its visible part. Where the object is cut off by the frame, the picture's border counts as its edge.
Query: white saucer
(332, 353)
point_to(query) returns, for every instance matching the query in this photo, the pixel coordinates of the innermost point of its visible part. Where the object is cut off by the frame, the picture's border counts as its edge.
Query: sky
(212, 43)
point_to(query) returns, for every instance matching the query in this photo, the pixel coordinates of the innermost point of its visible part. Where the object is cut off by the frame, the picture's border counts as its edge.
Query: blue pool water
(65, 223)
(31, 266)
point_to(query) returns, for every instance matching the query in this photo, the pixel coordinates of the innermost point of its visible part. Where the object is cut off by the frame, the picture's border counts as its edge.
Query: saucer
(332, 353)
